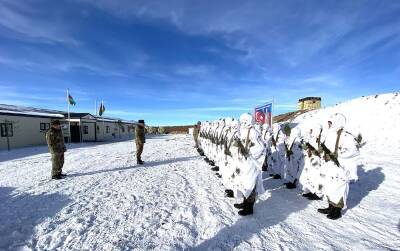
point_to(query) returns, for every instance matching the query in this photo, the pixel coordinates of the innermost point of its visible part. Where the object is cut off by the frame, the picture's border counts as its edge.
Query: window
(6, 129)
(107, 129)
(123, 128)
(44, 126)
(85, 129)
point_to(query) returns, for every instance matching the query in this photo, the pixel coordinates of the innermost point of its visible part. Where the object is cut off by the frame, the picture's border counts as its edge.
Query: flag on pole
(263, 114)
(71, 100)
(102, 109)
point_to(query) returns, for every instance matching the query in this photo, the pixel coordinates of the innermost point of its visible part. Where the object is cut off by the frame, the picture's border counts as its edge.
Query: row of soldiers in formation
(320, 161)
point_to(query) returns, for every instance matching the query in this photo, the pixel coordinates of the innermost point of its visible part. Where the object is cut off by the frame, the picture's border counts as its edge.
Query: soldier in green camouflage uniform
(140, 140)
(55, 141)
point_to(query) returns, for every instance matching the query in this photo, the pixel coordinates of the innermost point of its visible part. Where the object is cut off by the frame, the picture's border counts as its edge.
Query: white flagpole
(272, 110)
(69, 119)
(102, 105)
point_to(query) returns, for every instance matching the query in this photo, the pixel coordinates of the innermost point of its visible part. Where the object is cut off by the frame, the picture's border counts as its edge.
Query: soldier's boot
(240, 205)
(215, 168)
(218, 175)
(206, 159)
(264, 168)
(229, 193)
(211, 163)
(335, 213)
(313, 196)
(63, 175)
(140, 162)
(57, 177)
(325, 210)
(307, 195)
(277, 177)
(291, 185)
(247, 209)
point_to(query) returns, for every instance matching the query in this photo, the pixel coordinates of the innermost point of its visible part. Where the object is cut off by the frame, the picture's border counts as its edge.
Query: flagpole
(69, 119)
(95, 107)
(272, 110)
(102, 105)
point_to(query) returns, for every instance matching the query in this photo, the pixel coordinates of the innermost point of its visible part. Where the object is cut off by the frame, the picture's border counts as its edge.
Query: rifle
(228, 147)
(289, 152)
(312, 150)
(319, 138)
(274, 141)
(244, 149)
(328, 155)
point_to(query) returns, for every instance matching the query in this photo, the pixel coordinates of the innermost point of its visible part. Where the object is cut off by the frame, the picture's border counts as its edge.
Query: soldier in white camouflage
(55, 141)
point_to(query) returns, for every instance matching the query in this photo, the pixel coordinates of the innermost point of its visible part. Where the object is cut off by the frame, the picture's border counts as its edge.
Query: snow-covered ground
(176, 202)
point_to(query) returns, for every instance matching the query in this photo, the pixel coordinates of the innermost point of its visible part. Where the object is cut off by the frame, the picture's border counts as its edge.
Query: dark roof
(75, 115)
(108, 119)
(309, 98)
(29, 111)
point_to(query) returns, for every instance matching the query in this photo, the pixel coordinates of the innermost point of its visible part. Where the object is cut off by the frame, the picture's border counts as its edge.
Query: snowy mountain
(176, 202)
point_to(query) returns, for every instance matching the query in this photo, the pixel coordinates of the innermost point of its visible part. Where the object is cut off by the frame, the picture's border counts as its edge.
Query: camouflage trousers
(139, 150)
(339, 205)
(57, 162)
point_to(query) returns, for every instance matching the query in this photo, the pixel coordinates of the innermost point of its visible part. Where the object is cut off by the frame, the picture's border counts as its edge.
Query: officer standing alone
(55, 141)
(140, 140)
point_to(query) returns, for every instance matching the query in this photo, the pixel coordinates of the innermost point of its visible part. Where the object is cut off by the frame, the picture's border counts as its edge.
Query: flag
(263, 114)
(102, 109)
(71, 100)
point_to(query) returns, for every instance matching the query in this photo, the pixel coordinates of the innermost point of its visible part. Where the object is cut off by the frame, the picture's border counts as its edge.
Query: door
(75, 134)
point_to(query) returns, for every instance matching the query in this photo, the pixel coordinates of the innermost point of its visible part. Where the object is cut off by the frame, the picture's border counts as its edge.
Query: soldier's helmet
(55, 122)
(286, 129)
(338, 121)
(316, 129)
(246, 119)
(295, 133)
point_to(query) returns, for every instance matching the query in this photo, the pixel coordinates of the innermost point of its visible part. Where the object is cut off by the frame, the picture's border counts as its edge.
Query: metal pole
(272, 110)
(69, 119)
(103, 120)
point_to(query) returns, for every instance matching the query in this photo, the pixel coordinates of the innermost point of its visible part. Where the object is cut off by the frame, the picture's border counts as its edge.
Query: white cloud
(20, 18)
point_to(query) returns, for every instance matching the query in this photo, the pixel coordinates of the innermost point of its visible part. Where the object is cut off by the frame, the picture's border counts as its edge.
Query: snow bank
(376, 118)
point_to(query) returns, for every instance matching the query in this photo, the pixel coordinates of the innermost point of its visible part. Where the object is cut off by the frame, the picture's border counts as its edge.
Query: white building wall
(90, 136)
(26, 131)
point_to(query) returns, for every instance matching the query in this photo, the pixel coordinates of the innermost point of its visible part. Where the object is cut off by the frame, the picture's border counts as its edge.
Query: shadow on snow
(281, 203)
(367, 181)
(23, 152)
(20, 214)
(146, 165)
(267, 213)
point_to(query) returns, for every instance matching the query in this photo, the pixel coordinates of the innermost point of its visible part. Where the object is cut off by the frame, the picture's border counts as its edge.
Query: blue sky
(176, 62)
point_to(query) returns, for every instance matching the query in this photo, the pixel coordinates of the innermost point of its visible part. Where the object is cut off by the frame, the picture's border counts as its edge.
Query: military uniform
(55, 141)
(340, 157)
(140, 141)
(196, 132)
